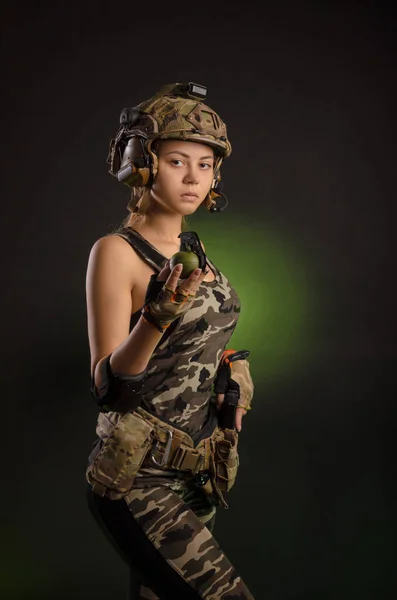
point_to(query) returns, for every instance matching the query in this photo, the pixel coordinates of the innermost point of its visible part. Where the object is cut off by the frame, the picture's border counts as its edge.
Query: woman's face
(184, 177)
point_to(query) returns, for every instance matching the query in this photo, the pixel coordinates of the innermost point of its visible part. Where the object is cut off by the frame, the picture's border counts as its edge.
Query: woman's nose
(192, 176)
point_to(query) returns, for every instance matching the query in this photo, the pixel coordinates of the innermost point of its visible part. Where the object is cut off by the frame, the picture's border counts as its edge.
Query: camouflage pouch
(226, 459)
(117, 459)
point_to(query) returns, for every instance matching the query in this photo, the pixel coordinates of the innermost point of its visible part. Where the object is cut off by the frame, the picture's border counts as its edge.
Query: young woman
(157, 335)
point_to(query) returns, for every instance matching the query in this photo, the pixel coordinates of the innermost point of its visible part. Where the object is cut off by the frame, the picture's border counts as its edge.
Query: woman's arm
(113, 275)
(111, 278)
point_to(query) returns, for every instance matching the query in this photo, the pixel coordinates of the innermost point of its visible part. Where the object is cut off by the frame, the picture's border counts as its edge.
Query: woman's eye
(177, 162)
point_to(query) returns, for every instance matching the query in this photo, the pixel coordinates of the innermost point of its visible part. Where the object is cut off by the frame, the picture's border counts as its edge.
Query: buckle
(167, 450)
(187, 459)
(178, 458)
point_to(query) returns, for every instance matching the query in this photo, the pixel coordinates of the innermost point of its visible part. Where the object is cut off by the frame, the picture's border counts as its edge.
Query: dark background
(308, 93)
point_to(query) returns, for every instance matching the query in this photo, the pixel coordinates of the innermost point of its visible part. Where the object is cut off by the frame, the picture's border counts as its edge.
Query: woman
(157, 339)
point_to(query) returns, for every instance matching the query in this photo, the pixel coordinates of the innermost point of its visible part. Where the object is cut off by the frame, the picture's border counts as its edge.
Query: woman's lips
(189, 196)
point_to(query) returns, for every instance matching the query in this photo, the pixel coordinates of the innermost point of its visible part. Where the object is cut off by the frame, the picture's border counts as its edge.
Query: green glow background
(270, 278)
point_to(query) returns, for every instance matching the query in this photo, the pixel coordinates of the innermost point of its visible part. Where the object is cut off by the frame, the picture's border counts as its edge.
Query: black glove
(153, 288)
(223, 375)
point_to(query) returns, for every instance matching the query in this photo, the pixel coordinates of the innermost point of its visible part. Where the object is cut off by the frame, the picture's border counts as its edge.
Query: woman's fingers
(240, 412)
(219, 400)
(191, 284)
(164, 273)
(173, 277)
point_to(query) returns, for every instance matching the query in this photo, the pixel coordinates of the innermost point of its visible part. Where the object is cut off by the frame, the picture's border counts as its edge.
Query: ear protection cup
(135, 168)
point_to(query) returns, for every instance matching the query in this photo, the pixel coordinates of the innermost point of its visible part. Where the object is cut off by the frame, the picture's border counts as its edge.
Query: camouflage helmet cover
(176, 117)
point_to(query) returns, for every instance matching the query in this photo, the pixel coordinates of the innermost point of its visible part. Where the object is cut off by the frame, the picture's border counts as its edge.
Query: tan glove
(168, 301)
(240, 373)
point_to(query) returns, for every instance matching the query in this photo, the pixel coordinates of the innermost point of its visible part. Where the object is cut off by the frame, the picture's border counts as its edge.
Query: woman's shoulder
(114, 251)
(113, 244)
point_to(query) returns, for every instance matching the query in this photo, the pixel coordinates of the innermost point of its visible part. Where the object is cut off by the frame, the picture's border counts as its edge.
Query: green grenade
(189, 261)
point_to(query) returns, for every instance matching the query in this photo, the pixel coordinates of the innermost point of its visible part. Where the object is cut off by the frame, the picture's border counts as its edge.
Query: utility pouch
(225, 459)
(116, 460)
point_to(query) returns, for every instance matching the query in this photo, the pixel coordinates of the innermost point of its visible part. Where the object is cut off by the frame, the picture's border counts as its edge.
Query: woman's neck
(164, 227)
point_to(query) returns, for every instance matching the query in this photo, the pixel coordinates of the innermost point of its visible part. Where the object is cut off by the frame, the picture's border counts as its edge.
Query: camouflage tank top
(182, 368)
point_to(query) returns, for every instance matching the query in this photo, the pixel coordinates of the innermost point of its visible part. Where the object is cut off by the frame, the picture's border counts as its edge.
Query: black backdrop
(308, 93)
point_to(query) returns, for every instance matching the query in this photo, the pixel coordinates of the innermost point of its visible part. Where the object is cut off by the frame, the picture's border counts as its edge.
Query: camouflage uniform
(169, 508)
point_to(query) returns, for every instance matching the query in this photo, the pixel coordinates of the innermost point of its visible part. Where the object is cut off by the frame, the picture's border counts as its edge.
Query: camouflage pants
(164, 535)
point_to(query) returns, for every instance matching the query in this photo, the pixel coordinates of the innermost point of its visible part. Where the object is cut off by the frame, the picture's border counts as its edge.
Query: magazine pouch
(119, 453)
(226, 459)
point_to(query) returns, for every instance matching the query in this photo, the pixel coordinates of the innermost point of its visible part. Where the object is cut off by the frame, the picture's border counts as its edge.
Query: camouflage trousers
(164, 536)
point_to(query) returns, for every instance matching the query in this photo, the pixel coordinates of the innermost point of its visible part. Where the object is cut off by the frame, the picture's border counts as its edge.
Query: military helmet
(176, 111)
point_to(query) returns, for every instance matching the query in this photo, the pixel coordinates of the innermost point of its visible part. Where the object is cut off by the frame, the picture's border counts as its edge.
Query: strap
(182, 457)
(176, 451)
(191, 459)
(143, 248)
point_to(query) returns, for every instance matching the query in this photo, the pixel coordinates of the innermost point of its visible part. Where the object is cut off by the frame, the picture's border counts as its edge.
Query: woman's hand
(240, 412)
(172, 277)
(233, 375)
(166, 300)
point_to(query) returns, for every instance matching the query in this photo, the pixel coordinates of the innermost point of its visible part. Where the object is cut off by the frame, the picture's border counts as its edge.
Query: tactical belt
(173, 448)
